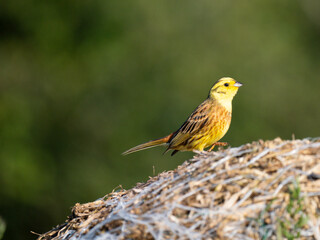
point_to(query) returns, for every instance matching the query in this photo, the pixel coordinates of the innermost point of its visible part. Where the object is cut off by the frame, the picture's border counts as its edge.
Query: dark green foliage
(2, 227)
(82, 81)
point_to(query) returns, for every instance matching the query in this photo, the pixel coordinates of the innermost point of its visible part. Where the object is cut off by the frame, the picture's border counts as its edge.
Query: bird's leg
(212, 147)
(218, 144)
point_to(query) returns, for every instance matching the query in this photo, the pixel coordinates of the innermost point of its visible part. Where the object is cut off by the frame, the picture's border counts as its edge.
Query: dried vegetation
(262, 190)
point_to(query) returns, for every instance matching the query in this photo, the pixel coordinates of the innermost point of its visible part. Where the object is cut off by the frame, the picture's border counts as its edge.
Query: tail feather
(150, 144)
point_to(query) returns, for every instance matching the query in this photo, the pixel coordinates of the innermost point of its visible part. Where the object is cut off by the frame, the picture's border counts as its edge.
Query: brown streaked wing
(193, 124)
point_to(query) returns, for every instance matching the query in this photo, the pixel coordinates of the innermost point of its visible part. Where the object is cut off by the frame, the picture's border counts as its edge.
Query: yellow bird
(206, 125)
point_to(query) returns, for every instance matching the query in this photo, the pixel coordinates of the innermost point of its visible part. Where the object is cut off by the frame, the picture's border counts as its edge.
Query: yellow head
(224, 90)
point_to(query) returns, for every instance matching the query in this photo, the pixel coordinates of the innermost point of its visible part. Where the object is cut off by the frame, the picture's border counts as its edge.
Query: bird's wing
(196, 121)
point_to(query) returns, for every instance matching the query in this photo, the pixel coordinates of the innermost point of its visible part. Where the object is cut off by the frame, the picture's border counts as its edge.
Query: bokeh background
(82, 81)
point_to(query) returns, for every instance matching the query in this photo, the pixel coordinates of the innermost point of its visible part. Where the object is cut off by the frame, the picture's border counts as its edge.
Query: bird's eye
(226, 84)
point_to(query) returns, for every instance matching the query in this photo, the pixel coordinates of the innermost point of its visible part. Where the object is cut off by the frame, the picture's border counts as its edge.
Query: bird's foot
(199, 152)
(223, 144)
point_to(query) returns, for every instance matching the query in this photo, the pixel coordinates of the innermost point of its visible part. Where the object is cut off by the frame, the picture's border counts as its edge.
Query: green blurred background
(82, 81)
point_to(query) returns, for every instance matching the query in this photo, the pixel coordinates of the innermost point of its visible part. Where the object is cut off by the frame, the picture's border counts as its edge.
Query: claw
(198, 152)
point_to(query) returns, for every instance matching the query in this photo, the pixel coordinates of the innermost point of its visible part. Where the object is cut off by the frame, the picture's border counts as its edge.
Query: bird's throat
(226, 103)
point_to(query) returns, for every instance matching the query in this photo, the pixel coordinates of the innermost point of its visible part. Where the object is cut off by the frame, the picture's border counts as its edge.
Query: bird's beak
(237, 84)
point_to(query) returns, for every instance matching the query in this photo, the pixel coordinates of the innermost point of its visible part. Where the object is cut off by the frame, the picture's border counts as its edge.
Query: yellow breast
(218, 125)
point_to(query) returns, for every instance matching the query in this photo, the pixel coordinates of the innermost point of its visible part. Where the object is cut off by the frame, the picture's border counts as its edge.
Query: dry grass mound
(262, 190)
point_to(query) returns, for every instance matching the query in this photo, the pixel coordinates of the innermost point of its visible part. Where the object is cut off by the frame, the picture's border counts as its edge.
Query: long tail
(150, 144)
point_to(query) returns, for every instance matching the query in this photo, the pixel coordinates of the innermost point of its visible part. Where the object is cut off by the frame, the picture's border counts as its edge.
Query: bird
(206, 125)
